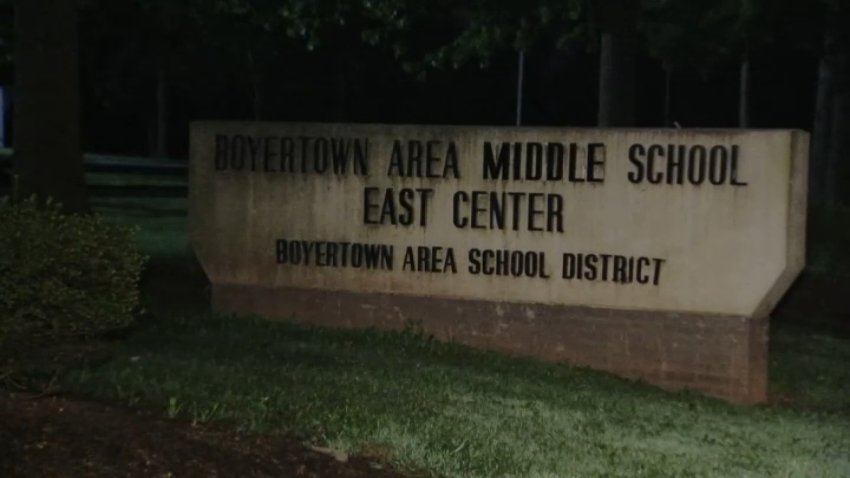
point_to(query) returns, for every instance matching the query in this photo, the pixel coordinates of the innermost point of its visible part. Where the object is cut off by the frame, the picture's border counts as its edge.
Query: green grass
(829, 240)
(450, 410)
(811, 366)
(161, 222)
(118, 179)
(455, 411)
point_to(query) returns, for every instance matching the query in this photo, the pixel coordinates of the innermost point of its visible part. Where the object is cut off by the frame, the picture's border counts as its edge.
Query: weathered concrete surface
(703, 245)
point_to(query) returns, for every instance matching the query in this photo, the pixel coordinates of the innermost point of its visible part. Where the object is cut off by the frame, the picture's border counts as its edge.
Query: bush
(63, 276)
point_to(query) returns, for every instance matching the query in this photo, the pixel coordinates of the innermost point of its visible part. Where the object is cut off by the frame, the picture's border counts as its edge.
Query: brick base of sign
(720, 356)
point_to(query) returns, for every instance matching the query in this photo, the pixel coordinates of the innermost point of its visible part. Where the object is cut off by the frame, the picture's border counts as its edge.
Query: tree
(6, 31)
(618, 45)
(47, 161)
(831, 141)
(141, 42)
(427, 36)
(705, 35)
(676, 33)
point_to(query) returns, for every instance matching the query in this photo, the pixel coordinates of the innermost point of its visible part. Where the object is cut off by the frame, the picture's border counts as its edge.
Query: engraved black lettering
(388, 209)
(595, 162)
(657, 275)
(697, 165)
(405, 201)
(237, 153)
(676, 163)
(534, 212)
(717, 165)
(221, 150)
(340, 149)
(477, 209)
(432, 159)
(414, 159)
(305, 145)
(636, 153)
(424, 198)
(361, 157)
(653, 176)
(409, 261)
(474, 263)
(496, 167)
(396, 167)
(320, 155)
(450, 165)
(554, 161)
(460, 221)
(534, 161)
(555, 213)
(280, 248)
(733, 168)
(369, 205)
(287, 154)
(254, 151)
(573, 175)
(269, 154)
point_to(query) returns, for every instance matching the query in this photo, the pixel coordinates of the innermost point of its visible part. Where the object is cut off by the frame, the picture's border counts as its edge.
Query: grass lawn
(161, 223)
(118, 179)
(450, 410)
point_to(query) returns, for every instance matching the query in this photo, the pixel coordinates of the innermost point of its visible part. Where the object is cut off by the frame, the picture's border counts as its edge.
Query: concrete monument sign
(651, 253)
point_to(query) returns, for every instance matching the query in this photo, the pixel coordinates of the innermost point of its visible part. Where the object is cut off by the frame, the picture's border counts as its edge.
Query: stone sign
(656, 254)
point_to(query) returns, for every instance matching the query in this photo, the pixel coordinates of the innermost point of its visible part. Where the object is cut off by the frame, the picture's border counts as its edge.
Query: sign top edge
(720, 131)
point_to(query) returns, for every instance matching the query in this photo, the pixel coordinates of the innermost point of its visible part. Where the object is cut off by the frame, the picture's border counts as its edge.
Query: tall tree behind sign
(47, 161)
(831, 141)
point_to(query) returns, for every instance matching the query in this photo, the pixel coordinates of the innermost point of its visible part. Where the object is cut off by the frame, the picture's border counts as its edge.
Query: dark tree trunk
(520, 80)
(821, 133)
(831, 141)
(160, 149)
(48, 161)
(257, 101)
(838, 157)
(616, 81)
(668, 95)
(617, 63)
(341, 87)
(744, 93)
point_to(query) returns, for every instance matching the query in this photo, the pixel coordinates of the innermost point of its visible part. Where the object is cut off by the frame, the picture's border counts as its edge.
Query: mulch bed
(59, 436)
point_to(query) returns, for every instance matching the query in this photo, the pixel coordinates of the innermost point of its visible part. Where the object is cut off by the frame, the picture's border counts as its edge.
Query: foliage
(702, 34)
(677, 33)
(64, 276)
(470, 33)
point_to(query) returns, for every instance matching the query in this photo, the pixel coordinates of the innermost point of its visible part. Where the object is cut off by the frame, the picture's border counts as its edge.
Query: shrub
(64, 276)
